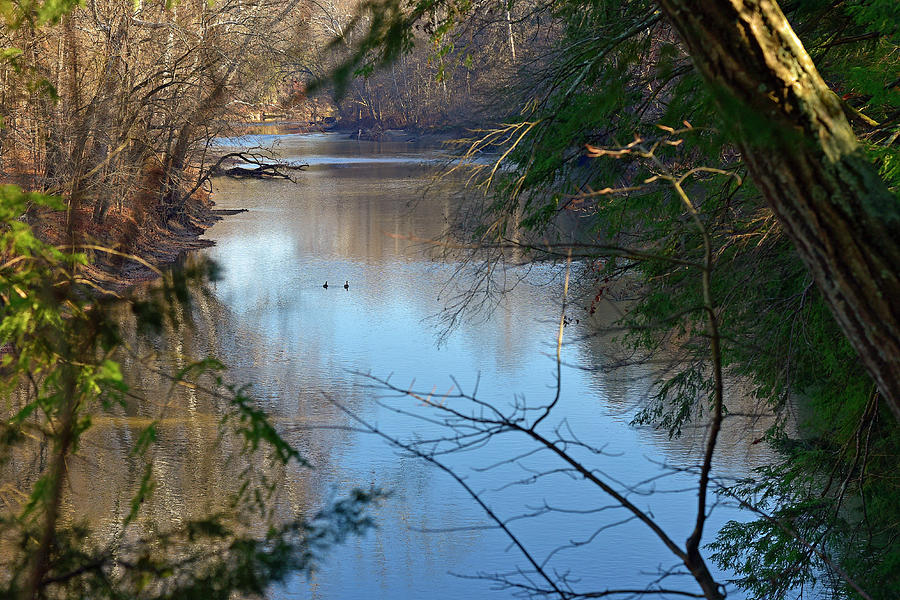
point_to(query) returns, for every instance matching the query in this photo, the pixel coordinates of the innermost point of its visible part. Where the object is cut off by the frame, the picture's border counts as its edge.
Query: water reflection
(303, 343)
(352, 217)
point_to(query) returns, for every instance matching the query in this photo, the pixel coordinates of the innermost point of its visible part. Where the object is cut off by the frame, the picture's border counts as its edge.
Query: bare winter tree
(115, 108)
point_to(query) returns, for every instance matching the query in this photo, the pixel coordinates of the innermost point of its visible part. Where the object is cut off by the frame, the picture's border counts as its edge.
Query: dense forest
(727, 170)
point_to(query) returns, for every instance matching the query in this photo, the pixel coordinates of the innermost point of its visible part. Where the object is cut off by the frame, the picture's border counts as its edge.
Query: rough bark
(803, 155)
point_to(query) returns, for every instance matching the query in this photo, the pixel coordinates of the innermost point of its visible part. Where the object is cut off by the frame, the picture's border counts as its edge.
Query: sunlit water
(350, 217)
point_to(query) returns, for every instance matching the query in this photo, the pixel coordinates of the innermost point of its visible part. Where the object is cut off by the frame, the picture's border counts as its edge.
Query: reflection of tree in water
(177, 485)
(196, 466)
(628, 379)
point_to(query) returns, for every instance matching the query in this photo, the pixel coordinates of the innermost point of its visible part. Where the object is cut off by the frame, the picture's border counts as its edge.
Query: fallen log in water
(246, 164)
(256, 166)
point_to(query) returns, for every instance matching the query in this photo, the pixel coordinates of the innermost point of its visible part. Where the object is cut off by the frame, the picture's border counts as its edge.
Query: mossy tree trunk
(805, 158)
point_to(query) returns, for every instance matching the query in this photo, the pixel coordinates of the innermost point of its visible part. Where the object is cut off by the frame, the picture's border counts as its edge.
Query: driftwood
(263, 166)
(258, 167)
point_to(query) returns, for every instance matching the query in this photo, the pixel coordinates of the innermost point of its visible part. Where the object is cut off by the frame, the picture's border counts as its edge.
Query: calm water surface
(349, 218)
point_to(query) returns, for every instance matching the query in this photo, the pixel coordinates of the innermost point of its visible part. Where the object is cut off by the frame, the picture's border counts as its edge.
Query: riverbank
(136, 235)
(413, 136)
(134, 238)
(354, 130)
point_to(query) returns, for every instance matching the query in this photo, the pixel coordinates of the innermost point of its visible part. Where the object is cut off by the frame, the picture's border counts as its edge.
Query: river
(356, 216)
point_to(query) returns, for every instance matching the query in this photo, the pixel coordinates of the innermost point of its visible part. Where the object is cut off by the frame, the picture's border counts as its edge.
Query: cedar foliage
(614, 72)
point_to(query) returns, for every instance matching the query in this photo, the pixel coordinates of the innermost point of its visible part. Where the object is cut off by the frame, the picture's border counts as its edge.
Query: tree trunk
(803, 155)
(172, 202)
(510, 38)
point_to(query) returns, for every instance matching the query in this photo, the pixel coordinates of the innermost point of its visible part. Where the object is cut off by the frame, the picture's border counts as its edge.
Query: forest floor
(132, 233)
(131, 237)
(127, 234)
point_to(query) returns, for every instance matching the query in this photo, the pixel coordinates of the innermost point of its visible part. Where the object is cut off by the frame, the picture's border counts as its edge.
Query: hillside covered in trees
(726, 174)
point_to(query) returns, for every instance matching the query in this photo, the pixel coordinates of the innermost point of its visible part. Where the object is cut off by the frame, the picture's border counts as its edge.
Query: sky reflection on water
(302, 345)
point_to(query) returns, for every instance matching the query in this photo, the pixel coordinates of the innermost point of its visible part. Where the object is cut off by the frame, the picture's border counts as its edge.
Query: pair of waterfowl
(346, 285)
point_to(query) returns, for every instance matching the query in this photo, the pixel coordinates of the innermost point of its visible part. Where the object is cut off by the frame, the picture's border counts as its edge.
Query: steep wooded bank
(114, 107)
(436, 83)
